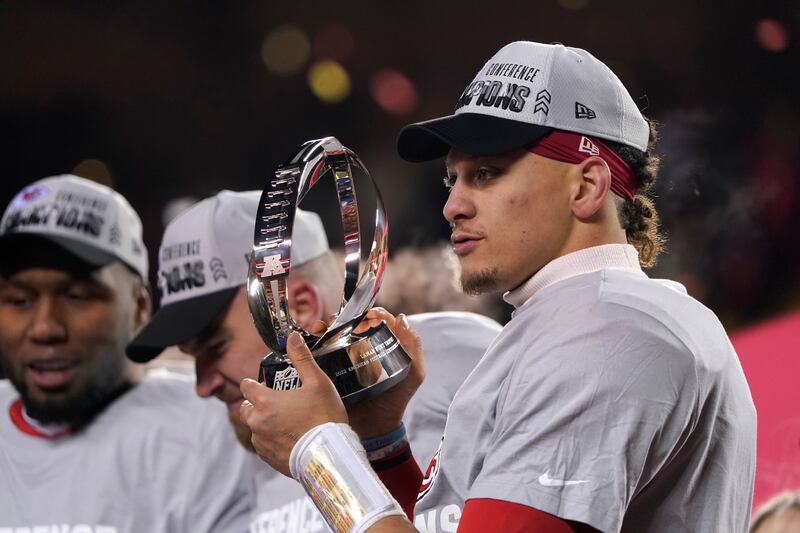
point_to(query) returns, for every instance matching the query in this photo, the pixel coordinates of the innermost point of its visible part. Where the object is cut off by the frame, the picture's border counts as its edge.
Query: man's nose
(459, 204)
(49, 325)
(208, 380)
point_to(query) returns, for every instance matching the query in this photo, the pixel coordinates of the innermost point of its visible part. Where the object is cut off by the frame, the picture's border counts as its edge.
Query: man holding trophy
(610, 401)
(207, 315)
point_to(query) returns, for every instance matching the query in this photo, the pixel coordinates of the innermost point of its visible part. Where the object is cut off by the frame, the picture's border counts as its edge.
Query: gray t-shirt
(453, 343)
(610, 399)
(157, 460)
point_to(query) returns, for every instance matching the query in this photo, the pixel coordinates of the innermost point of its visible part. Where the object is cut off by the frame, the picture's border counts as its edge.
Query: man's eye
(219, 348)
(216, 349)
(449, 181)
(78, 296)
(16, 300)
(485, 174)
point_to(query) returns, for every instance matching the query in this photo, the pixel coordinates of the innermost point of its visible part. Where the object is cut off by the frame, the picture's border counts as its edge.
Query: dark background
(175, 99)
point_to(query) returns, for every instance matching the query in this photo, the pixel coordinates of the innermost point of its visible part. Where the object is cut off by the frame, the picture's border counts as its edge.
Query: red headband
(569, 147)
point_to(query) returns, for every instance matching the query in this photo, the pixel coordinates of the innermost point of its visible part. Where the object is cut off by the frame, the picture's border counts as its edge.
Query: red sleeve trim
(402, 476)
(497, 515)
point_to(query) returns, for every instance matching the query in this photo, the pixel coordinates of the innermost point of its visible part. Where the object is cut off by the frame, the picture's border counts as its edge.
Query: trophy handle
(270, 262)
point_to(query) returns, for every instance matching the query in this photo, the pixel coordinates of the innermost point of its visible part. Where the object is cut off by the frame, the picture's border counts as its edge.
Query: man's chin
(480, 282)
(71, 404)
(242, 432)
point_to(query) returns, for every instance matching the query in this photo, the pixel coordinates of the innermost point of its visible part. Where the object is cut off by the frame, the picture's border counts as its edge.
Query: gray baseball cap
(204, 259)
(87, 219)
(525, 91)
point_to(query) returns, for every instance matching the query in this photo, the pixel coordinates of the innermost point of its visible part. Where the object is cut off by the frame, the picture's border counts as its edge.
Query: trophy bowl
(360, 365)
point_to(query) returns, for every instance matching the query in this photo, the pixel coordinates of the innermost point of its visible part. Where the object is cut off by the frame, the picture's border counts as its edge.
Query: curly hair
(638, 216)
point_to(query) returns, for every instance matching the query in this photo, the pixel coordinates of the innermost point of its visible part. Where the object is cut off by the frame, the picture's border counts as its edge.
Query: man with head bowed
(211, 322)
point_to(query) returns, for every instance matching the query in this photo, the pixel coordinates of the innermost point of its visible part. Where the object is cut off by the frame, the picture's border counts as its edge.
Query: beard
(482, 282)
(105, 383)
(242, 432)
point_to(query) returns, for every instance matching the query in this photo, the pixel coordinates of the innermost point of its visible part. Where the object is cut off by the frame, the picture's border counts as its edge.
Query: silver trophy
(359, 365)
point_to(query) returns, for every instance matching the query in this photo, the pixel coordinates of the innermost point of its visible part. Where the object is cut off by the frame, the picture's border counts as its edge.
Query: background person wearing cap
(610, 401)
(780, 514)
(84, 443)
(227, 347)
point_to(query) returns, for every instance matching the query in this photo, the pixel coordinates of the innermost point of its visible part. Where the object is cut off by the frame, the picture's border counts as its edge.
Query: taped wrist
(331, 465)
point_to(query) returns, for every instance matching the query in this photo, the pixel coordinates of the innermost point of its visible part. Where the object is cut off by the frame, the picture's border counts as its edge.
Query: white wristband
(331, 464)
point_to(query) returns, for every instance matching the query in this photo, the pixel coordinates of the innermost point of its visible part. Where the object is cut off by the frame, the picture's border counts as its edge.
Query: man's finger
(244, 411)
(403, 329)
(251, 389)
(318, 328)
(410, 341)
(378, 314)
(300, 356)
(374, 317)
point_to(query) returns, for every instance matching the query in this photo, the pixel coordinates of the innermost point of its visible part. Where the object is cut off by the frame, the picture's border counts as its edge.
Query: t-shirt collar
(33, 427)
(618, 256)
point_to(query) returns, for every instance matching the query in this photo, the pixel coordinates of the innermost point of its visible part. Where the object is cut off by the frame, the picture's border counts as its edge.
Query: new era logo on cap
(588, 147)
(89, 219)
(581, 111)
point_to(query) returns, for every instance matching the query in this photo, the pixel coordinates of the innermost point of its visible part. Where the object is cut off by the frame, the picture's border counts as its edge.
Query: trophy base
(368, 365)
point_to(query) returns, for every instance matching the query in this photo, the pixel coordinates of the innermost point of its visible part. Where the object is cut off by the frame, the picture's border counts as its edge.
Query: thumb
(251, 389)
(300, 356)
(411, 342)
(407, 336)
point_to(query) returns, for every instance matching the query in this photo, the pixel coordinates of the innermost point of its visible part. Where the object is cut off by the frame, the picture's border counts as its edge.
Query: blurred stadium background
(172, 101)
(166, 100)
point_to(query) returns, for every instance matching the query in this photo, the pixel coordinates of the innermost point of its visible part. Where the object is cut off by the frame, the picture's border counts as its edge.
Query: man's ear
(144, 305)
(595, 183)
(305, 303)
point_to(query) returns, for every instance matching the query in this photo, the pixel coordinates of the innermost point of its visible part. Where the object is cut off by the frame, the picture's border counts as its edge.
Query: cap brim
(473, 133)
(176, 323)
(85, 252)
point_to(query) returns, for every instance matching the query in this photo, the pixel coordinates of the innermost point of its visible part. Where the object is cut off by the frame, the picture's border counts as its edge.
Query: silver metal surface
(271, 261)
